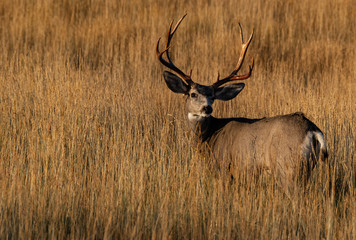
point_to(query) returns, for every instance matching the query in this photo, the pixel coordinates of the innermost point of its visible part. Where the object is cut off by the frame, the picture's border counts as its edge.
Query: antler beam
(233, 76)
(169, 63)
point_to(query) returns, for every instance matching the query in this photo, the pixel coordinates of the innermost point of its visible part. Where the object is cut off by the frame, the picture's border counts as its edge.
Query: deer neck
(203, 129)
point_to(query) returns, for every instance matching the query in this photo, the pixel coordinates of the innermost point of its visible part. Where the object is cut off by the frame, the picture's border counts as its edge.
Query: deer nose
(207, 109)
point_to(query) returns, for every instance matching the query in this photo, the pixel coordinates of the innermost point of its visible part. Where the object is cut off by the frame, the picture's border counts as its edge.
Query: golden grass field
(93, 145)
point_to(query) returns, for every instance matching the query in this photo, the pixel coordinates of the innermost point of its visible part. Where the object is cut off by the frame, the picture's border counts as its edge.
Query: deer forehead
(207, 91)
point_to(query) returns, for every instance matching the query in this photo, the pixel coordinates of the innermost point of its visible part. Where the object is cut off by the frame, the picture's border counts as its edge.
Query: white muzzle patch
(194, 117)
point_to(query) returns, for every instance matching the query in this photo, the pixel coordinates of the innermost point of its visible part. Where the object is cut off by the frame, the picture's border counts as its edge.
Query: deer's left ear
(175, 83)
(229, 92)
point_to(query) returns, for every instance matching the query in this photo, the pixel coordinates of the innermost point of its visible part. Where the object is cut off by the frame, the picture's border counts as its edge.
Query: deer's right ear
(229, 92)
(175, 83)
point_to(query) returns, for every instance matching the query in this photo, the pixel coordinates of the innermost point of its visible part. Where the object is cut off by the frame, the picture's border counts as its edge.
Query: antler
(169, 63)
(233, 76)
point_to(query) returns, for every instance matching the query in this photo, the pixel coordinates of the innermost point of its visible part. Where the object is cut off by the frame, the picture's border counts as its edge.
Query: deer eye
(193, 95)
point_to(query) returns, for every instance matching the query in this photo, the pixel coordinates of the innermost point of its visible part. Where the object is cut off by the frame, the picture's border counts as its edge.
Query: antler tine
(233, 76)
(169, 63)
(170, 32)
(244, 47)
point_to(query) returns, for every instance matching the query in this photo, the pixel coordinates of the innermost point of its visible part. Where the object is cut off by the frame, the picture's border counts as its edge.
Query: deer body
(275, 144)
(278, 143)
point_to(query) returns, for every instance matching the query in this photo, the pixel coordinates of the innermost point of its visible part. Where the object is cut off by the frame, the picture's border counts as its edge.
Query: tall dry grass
(93, 144)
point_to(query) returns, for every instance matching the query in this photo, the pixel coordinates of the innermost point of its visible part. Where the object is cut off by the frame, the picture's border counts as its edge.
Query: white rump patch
(307, 146)
(320, 137)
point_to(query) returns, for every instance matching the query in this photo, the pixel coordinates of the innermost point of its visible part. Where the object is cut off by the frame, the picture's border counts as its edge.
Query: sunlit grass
(94, 145)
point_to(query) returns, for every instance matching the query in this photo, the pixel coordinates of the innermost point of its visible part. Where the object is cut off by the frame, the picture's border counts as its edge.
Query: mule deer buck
(279, 143)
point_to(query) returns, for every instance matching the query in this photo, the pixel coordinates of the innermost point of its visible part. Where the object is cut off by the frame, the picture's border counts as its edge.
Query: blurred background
(94, 145)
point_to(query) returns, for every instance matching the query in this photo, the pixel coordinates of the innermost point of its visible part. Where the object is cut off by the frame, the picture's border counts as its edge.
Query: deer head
(200, 98)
